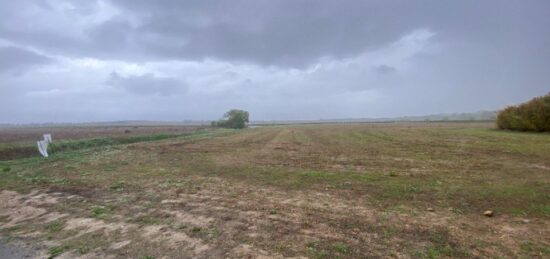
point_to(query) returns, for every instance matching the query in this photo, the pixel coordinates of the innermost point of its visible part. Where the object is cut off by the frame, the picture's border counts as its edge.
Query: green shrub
(233, 119)
(533, 115)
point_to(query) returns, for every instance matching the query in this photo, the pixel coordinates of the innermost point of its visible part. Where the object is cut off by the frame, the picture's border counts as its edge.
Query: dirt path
(6, 252)
(12, 251)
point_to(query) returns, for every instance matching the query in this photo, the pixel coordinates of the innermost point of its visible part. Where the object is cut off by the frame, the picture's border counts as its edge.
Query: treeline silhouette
(533, 115)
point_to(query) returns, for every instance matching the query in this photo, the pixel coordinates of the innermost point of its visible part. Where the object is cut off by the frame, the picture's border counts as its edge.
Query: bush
(533, 115)
(234, 119)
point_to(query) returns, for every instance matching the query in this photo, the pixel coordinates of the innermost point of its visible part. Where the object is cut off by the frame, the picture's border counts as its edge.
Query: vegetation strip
(72, 145)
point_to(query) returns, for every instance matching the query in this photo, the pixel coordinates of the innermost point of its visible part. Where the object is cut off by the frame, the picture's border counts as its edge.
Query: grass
(55, 226)
(56, 251)
(27, 150)
(97, 211)
(341, 248)
(532, 248)
(337, 187)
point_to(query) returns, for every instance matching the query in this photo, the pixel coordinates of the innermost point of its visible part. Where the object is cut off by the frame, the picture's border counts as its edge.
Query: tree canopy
(235, 119)
(530, 116)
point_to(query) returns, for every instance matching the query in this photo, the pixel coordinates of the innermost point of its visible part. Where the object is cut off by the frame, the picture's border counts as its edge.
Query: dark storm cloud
(385, 69)
(147, 84)
(282, 33)
(18, 60)
(283, 59)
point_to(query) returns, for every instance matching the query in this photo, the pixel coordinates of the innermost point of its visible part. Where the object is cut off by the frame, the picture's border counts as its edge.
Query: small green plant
(55, 251)
(341, 248)
(54, 226)
(457, 211)
(117, 187)
(6, 169)
(316, 251)
(393, 174)
(97, 211)
(534, 248)
(147, 220)
(82, 250)
(147, 257)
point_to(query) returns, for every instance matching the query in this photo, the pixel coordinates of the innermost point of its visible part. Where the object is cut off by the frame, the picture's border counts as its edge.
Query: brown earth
(28, 134)
(318, 191)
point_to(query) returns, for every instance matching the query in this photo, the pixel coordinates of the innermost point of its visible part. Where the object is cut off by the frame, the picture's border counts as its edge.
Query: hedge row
(533, 115)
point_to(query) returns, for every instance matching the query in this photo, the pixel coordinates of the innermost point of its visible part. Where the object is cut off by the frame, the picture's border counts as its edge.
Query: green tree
(235, 119)
(533, 115)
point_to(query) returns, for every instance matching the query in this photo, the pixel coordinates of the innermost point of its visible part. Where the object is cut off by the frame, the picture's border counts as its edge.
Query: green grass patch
(98, 211)
(56, 251)
(55, 226)
(341, 248)
(535, 249)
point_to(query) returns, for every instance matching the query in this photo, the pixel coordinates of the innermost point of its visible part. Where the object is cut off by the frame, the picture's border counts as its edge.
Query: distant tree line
(533, 115)
(234, 119)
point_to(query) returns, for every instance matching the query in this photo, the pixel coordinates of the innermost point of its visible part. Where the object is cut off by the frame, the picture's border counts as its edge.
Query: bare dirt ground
(318, 191)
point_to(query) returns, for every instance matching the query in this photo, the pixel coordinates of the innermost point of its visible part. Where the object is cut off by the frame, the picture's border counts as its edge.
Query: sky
(171, 60)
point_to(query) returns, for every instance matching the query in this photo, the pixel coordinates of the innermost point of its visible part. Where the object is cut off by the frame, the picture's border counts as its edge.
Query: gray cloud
(288, 59)
(17, 60)
(282, 33)
(385, 69)
(147, 84)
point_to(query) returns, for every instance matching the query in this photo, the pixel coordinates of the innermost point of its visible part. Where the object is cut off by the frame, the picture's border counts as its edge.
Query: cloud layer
(306, 59)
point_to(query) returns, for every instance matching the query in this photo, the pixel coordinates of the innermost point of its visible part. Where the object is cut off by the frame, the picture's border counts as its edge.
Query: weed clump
(55, 251)
(54, 226)
(97, 211)
(533, 115)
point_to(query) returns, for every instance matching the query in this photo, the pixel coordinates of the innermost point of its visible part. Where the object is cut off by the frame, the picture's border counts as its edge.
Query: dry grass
(320, 191)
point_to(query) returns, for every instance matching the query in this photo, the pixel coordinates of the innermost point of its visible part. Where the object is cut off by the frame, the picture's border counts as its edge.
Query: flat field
(403, 190)
(20, 142)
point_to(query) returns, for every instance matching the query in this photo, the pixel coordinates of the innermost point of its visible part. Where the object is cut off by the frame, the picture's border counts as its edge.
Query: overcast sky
(74, 61)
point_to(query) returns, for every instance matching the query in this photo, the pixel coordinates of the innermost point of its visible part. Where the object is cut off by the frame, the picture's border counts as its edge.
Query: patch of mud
(53, 216)
(249, 251)
(90, 255)
(89, 225)
(11, 206)
(35, 198)
(538, 166)
(17, 249)
(119, 245)
(162, 234)
(186, 218)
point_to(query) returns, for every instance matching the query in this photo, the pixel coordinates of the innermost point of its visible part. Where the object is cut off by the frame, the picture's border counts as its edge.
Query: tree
(533, 115)
(235, 119)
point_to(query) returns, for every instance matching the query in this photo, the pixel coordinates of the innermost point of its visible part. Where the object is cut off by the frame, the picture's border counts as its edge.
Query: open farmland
(20, 141)
(319, 191)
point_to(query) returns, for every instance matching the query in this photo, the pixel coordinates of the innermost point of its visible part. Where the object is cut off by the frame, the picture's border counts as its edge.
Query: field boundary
(28, 151)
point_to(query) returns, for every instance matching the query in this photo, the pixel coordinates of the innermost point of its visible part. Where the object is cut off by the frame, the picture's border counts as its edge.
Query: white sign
(43, 144)
(42, 147)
